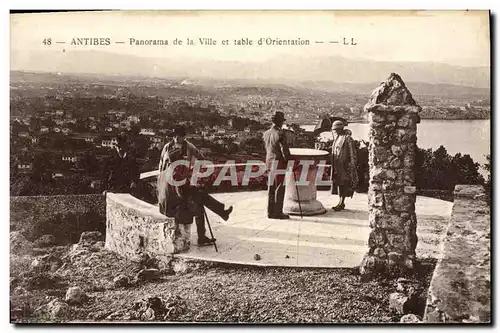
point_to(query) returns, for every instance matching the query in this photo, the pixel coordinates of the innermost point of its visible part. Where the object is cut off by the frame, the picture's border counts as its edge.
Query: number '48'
(47, 41)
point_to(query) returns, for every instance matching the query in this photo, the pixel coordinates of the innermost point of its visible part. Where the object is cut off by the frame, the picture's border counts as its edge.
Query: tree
(466, 170)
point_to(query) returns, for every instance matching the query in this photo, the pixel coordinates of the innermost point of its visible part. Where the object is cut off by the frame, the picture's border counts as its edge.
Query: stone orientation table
(301, 197)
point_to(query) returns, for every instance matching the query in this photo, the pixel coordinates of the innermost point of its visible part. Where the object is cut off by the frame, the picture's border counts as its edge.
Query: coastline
(436, 119)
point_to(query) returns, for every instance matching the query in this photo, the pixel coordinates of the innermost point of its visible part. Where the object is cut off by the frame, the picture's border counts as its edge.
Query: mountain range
(323, 72)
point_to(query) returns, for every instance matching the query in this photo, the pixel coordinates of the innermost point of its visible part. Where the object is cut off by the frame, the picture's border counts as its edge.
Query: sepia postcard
(250, 167)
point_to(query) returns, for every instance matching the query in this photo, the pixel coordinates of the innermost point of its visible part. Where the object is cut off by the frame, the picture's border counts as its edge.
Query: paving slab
(334, 239)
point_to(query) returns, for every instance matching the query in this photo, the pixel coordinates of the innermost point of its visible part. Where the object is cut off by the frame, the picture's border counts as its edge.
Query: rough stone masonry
(393, 116)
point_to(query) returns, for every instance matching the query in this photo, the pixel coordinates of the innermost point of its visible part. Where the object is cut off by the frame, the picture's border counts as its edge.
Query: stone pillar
(393, 116)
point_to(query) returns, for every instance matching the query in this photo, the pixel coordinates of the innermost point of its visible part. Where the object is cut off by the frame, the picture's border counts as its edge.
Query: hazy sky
(455, 37)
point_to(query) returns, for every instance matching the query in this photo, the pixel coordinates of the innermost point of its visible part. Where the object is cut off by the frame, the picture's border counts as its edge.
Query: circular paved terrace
(335, 239)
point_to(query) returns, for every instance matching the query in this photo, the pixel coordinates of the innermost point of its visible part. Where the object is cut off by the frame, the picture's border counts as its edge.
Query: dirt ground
(198, 292)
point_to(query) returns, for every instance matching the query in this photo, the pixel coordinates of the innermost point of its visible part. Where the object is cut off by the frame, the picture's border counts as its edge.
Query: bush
(434, 170)
(438, 170)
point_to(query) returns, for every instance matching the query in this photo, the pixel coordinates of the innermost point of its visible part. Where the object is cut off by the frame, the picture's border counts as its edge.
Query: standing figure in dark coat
(123, 173)
(185, 201)
(277, 152)
(344, 164)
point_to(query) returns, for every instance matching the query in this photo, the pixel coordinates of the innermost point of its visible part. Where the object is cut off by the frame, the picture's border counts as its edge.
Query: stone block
(397, 241)
(377, 117)
(371, 264)
(390, 174)
(409, 162)
(380, 253)
(404, 203)
(134, 226)
(388, 185)
(405, 216)
(391, 223)
(376, 186)
(391, 117)
(396, 150)
(404, 121)
(376, 238)
(377, 174)
(409, 226)
(376, 199)
(382, 154)
(412, 135)
(409, 263)
(395, 163)
(388, 201)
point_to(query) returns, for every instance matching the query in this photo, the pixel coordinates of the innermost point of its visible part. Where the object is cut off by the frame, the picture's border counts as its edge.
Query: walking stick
(298, 196)
(210, 228)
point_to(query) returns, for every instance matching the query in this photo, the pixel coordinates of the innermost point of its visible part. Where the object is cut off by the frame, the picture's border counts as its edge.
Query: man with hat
(277, 156)
(123, 169)
(344, 164)
(186, 201)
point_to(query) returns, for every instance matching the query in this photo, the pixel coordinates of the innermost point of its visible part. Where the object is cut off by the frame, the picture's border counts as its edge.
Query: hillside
(284, 69)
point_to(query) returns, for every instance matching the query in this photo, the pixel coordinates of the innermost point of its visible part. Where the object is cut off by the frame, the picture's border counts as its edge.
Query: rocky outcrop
(75, 295)
(393, 116)
(135, 228)
(19, 244)
(460, 289)
(48, 262)
(54, 310)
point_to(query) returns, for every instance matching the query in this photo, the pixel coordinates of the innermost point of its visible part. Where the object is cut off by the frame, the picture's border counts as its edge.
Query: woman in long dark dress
(344, 164)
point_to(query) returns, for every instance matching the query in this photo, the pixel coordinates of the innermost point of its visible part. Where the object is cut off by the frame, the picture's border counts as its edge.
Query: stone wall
(393, 116)
(63, 216)
(460, 288)
(134, 227)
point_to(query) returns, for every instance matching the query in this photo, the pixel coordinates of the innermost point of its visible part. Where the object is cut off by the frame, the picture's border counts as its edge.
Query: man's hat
(179, 131)
(337, 124)
(278, 115)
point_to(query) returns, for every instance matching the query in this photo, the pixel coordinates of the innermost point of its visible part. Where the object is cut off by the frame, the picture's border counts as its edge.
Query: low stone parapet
(135, 227)
(460, 290)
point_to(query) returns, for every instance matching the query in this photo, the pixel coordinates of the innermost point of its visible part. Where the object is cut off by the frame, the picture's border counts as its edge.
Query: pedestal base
(309, 208)
(303, 190)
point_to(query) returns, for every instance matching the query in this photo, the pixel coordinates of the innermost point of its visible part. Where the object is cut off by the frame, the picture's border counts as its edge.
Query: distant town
(63, 127)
